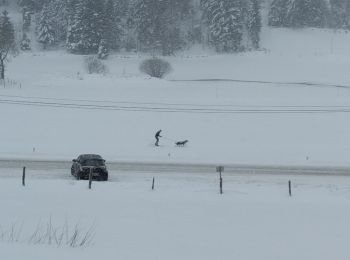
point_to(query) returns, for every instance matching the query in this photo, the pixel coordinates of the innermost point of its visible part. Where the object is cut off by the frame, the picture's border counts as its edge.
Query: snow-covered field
(57, 110)
(185, 217)
(289, 105)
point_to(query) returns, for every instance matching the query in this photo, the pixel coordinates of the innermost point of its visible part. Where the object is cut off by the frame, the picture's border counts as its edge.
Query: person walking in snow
(157, 137)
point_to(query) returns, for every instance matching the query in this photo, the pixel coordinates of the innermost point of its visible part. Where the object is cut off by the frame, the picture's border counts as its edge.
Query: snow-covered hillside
(286, 104)
(54, 106)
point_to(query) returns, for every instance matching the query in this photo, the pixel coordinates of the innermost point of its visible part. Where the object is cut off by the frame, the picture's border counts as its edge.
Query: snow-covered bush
(95, 65)
(103, 50)
(25, 43)
(155, 67)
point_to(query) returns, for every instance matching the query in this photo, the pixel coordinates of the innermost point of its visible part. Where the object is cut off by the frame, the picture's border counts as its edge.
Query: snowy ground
(54, 108)
(51, 109)
(185, 217)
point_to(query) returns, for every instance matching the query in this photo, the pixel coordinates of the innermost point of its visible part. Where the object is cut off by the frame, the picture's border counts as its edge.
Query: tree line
(162, 27)
(310, 13)
(155, 26)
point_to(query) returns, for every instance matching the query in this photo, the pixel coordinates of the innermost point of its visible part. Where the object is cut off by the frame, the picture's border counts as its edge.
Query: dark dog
(181, 143)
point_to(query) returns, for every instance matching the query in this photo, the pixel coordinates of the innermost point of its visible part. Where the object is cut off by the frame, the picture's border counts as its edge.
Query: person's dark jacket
(158, 134)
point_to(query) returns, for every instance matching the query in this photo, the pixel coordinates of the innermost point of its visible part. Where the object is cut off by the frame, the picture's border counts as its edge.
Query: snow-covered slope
(239, 122)
(241, 108)
(286, 104)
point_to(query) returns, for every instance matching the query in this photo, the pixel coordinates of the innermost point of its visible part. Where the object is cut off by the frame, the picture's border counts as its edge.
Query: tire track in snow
(180, 109)
(312, 84)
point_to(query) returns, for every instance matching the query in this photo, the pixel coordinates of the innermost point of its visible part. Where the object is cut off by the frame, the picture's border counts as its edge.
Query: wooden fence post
(90, 178)
(290, 188)
(24, 177)
(220, 169)
(221, 185)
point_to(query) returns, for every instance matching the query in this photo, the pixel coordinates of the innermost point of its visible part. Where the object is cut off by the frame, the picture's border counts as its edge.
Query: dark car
(82, 165)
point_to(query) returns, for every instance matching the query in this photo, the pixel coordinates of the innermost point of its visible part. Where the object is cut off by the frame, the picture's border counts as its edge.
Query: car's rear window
(93, 162)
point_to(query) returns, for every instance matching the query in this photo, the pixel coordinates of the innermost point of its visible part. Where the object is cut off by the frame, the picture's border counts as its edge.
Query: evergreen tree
(172, 41)
(195, 28)
(318, 15)
(59, 10)
(306, 13)
(32, 5)
(277, 13)
(29, 8)
(225, 21)
(27, 4)
(94, 21)
(150, 24)
(125, 11)
(27, 19)
(122, 7)
(75, 25)
(158, 24)
(85, 26)
(340, 14)
(254, 22)
(298, 13)
(113, 29)
(45, 29)
(174, 18)
(7, 40)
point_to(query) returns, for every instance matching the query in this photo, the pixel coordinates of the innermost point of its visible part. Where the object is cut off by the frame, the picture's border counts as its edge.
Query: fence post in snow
(90, 178)
(221, 185)
(24, 177)
(153, 184)
(220, 169)
(290, 188)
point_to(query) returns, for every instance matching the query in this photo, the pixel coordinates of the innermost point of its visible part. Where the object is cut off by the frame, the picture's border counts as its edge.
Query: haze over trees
(159, 27)
(310, 13)
(163, 27)
(340, 10)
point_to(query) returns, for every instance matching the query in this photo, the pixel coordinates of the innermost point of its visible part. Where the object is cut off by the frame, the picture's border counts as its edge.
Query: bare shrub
(94, 65)
(155, 67)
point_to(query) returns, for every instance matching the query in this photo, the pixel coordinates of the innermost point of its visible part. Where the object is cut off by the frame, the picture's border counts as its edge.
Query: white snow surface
(185, 217)
(52, 109)
(315, 56)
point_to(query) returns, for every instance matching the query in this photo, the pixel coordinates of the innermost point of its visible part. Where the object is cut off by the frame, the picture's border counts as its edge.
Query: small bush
(95, 65)
(103, 50)
(155, 67)
(25, 43)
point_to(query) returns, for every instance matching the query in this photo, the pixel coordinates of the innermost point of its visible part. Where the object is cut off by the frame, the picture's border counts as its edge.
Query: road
(62, 168)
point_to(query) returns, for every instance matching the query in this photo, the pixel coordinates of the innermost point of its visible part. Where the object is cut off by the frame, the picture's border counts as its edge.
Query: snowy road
(61, 169)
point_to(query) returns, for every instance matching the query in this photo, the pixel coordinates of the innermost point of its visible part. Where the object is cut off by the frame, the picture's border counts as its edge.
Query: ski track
(309, 84)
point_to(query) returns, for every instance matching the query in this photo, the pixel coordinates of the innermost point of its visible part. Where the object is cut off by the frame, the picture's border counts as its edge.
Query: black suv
(82, 165)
